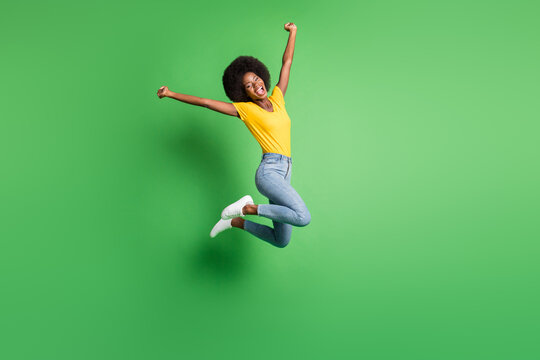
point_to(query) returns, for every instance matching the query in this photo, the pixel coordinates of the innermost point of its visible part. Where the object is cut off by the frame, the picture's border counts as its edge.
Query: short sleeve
(242, 110)
(277, 95)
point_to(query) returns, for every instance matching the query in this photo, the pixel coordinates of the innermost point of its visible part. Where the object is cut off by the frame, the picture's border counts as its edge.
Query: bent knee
(281, 243)
(304, 218)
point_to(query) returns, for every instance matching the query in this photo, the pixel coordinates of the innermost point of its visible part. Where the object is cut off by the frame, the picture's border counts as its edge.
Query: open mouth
(260, 91)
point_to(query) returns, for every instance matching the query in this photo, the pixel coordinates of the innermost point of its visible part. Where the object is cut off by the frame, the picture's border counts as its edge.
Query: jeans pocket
(271, 161)
(276, 168)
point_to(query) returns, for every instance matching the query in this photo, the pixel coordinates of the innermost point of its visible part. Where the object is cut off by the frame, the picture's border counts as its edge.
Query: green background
(415, 145)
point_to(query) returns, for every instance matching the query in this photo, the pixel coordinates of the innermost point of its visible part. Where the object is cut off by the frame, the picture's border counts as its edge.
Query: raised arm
(216, 105)
(287, 58)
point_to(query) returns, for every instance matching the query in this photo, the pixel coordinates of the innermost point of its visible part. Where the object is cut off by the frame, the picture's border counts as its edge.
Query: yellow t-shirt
(272, 130)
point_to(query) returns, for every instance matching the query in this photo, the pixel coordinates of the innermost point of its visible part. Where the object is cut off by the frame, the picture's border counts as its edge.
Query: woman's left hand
(290, 27)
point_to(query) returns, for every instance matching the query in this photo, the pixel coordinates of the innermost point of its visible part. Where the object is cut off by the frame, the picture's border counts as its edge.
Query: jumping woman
(245, 81)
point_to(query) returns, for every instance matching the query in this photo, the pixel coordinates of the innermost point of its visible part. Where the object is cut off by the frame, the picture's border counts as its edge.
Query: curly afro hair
(234, 73)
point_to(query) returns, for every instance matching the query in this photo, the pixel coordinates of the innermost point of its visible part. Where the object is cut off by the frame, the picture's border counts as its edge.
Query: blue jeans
(286, 208)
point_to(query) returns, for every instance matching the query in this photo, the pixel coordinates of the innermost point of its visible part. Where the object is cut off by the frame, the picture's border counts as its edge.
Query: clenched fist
(290, 27)
(163, 91)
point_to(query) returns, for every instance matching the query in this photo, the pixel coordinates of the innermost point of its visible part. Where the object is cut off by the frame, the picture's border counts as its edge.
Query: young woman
(245, 81)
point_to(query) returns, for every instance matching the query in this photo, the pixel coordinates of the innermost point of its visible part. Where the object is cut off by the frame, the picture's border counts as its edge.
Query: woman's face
(254, 86)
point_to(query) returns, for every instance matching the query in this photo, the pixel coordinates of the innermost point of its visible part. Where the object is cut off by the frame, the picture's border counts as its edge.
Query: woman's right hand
(163, 91)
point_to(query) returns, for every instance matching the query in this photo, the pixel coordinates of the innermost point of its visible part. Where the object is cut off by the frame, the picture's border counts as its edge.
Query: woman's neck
(264, 103)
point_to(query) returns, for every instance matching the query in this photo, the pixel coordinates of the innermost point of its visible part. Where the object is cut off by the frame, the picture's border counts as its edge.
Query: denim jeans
(286, 208)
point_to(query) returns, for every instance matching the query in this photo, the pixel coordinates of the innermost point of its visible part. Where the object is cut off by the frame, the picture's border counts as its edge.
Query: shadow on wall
(223, 258)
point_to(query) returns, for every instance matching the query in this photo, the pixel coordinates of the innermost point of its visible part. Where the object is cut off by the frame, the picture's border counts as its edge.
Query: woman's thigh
(275, 187)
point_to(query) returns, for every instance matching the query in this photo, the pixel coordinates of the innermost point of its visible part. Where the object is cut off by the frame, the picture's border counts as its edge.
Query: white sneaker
(235, 209)
(221, 225)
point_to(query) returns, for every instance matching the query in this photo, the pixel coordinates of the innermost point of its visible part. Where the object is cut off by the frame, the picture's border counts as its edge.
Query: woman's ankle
(238, 222)
(250, 209)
